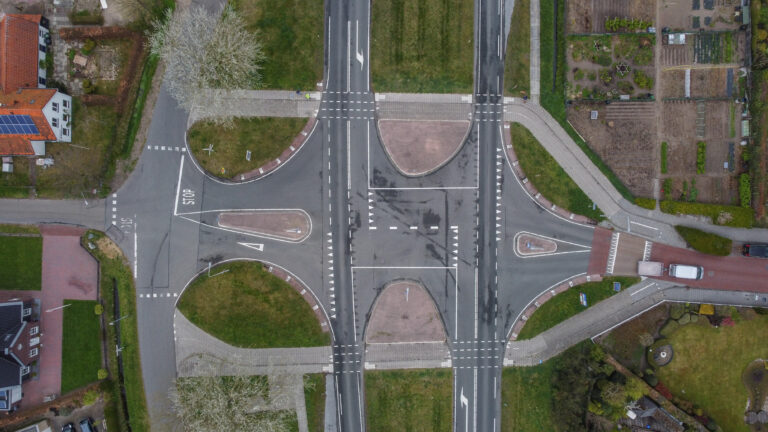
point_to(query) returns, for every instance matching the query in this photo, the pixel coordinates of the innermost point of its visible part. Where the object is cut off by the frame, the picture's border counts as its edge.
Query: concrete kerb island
(290, 225)
(417, 148)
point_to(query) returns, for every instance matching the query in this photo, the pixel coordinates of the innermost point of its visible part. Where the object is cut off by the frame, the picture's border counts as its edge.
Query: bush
(605, 76)
(642, 80)
(88, 86)
(705, 242)
(102, 374)
(666, 189)
(88, 47)
(651, 379)
(733, 216)
(669, 328)
(90, 397)
(98, 309)
(676, 311)
(694, 318)
(625, 24)
(664, 157)
(648, 203)
(701, 157)
(745, 190)
(578, 74)
(685, 319)
(625, 87)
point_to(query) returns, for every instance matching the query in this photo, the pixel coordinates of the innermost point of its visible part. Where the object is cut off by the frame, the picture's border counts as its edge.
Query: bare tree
(242, 403)
(202, 51)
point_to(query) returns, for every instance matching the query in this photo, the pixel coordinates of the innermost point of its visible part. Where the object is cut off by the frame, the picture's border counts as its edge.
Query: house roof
(10, 323)
(26, 102)
(10, 374)
(18, 51)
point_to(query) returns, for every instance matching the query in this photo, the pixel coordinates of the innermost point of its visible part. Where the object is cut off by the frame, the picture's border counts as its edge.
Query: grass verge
(566, 304)
(422, 47)
(732, 216)
(22, 263)
(705, 242)
(552, 51)
(548, 176)
(262, 310)
(265, 137)
(647, 203)
(113, 267)
(664, 157)
(708, 364)
(291, 34)
(314, 397)
(517, 65)
(409, 400)
(80, 345)
(145, 85)
(19, 229)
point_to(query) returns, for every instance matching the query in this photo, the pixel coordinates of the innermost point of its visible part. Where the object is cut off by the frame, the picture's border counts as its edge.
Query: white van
(683, 271)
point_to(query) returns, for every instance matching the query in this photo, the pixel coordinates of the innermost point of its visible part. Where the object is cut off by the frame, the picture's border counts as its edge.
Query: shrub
(685, 319)
(90, 397)
(88, 86)
(642, 80)
(98, 309)
(745, 190)
(694, 318)
(664, 157)
(578, 74)
(88, 46)
(705, 242)
(71, 54)
(102, 374)
(605, 76)
(651, 379)
(625, 87)
(648, 203)
(733, 216)
(666, 189)
(625, 24)
(669, 328)
(701, 157)
(592, 76)
(676, 310)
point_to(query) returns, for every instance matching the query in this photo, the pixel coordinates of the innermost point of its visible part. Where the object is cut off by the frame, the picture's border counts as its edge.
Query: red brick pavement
(69, 272)
(601, 245)
(729, 273)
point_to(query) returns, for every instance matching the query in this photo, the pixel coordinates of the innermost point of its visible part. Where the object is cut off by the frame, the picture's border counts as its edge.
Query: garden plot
(589, 16)
(698, 14)
(605, 67)
(704, 83)
(624, 135)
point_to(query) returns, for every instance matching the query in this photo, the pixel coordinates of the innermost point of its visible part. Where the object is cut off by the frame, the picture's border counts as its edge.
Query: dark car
(69, 427)
(755, 250)
(86, 425)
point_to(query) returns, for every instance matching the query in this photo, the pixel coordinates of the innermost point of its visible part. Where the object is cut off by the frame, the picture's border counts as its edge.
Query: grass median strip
(265, 137)
(422, 47)
(548, 176)
(250, 307)
(22, 263)
(81, 345)
(566, 304)
(705, 242)
(314, 397)
(517, 65)
(409, 400)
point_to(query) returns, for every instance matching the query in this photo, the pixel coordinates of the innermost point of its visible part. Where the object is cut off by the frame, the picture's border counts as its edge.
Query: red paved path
(601, 245)
(729, 273)
(69, 272)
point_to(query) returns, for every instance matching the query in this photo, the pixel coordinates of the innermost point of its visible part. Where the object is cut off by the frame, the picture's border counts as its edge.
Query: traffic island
(419, 148)
(288, 225)
(405, 312)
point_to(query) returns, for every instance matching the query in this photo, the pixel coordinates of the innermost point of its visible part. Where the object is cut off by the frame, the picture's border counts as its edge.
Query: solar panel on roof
(11, 124)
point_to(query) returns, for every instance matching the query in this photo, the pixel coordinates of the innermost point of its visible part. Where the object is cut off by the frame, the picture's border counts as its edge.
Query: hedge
(705, 242)
(732, 216)
(664, 157)
(701, 157)
(745, 190)
(648, 203)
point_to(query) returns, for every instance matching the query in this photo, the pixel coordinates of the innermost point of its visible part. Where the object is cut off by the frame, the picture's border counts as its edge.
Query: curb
(301, 289)
(270, 166)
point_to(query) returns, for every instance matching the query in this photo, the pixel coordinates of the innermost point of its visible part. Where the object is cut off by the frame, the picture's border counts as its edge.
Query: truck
(680, 271)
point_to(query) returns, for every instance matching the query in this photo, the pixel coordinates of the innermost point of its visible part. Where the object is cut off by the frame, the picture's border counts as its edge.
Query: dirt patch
(417, 148)
(588, 16)
(404, 312)
(681, 15)
(108, 247)
(624, 135)
(292, 225)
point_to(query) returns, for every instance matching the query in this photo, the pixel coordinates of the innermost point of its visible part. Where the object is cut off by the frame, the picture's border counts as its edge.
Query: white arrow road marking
(258, 246)
(358, 54)
(465, 404)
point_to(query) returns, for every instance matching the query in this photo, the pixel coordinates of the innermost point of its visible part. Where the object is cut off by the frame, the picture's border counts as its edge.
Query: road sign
(583, 299)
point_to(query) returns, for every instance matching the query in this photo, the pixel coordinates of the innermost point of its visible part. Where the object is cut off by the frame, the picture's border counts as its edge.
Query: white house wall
(59, 129)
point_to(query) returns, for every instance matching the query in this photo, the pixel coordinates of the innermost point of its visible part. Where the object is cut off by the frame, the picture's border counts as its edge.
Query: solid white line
(359, 400)
(338, 397)
(643, 225)
(135, 249)
(456, 297)
(349, 161)
(474, 416)
(475, 302)
(368, 144)
(349, 59)
(425, 188)
(328, 76)
(178, 187)
(494, 389)
(401, 268)
(638, 290)
(354, 314)
(367, 52)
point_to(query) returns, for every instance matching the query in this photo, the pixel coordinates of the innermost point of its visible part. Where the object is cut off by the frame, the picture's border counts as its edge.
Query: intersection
(454, 230)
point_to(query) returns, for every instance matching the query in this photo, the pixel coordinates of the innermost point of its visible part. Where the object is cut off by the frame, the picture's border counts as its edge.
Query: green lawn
(566, 304)
(291, 33)
(251, 308)
(17, 183)
(113, 268)
(517, 64)
(424, 46)
(81, 345)
(19, 229)
(314, 397)
(529, 401)
(409, 400)
(708, 366)
(705, 242)
(265, 137)
(552, 52)
(548, 176)
(22, 263)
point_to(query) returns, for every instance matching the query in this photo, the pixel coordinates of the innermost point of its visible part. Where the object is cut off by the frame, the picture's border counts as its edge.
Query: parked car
(69, 427)
(86, 425)
(755, 250)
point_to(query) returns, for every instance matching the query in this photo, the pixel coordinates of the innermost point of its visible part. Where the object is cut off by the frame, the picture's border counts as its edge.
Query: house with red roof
(30, 113)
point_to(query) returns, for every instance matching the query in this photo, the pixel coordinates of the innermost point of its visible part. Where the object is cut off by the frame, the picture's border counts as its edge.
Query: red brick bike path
(68, 272)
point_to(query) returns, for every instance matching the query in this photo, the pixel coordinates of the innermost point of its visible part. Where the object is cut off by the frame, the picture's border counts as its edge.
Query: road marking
(178, 187)
(256, 246)
(358, 54)
(465, 403)
(641, 289)
(475, 302)
(474, 402)
(135, 248)
(349, 60)
(349, 161)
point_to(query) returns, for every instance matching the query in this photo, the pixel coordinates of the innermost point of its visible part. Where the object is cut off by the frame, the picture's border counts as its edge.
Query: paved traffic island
(531, 245)
(288, 225)
(404, 312)
(419, 148)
